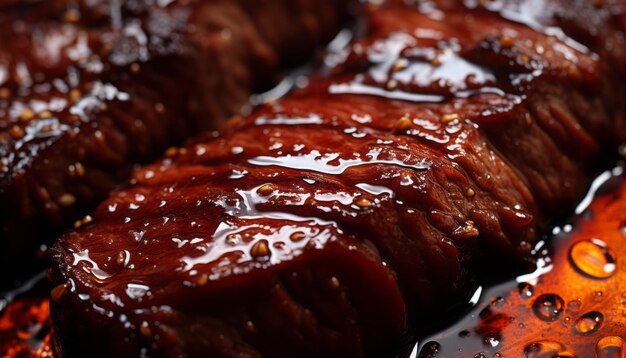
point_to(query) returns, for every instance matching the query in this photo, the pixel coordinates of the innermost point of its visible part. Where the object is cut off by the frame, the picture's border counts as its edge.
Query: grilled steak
(90, 88)
(439, 143)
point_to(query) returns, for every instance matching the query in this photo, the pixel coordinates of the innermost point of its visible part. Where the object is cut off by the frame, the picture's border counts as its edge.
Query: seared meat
(90, 88)
(440, 142)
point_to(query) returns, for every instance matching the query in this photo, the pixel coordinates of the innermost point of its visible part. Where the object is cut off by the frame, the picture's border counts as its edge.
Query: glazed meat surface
(438, 143)
(90, 88)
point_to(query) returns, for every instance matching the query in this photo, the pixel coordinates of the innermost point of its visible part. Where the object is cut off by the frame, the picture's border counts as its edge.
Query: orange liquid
(25, 329)
(575, 309)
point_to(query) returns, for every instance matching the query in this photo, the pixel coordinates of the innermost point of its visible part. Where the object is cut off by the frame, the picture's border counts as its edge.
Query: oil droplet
(592, 258)
(610, 347)
(546, 349)
(526, 290)
(588, 323)
(548, 307)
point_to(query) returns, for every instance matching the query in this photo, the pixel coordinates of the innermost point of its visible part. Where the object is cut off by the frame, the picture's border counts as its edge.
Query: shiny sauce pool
(573, 305)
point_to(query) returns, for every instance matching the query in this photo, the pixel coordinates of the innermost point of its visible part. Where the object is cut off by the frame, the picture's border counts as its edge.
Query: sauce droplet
(610, 347)
(588, 323)
(592, 258)
(548, 307)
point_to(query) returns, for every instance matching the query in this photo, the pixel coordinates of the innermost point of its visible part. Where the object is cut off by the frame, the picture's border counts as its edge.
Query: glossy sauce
(247, 196)
(560, 309)
(574, 306)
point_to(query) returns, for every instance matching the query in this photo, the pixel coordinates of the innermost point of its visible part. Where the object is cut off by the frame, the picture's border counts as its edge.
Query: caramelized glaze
(90, 88)
(439, 143)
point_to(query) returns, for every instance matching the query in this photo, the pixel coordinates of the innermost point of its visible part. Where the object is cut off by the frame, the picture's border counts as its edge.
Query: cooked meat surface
(90, 88)
(438, 143)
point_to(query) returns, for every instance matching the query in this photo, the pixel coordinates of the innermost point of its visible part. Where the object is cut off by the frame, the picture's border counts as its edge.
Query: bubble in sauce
(592, 258)
(526, 290)
(548, 307)
(610, 347)
(588, 323)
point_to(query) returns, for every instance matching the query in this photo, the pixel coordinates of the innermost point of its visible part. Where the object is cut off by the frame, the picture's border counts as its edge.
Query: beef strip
(440, 142)
(89, 88)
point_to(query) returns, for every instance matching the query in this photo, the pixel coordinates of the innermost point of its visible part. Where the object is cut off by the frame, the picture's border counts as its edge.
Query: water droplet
(610, 347)
(525, 289)
(588, 323)
(548, 307)
(593, 259)
(546, 349)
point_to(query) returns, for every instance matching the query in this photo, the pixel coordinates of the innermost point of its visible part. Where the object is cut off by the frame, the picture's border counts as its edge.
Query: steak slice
(438, 144)
(90, 88)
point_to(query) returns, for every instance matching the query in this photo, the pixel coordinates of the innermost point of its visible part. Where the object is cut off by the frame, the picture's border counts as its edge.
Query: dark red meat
(89, 88)
(440, 142)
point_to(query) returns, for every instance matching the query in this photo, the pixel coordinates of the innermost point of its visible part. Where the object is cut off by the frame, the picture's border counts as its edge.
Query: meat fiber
(335, 221)
(90, 88)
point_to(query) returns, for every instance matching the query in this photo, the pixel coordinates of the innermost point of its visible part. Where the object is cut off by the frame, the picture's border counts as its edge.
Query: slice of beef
(439, 143)
(90, 88)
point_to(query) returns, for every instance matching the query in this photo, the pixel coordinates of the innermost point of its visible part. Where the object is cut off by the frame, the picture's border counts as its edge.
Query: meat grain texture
(336, 221)
(90, 88)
